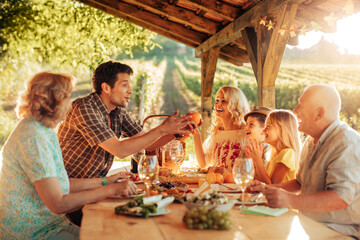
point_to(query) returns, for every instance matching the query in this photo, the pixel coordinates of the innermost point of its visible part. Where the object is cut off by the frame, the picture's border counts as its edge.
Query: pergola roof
(237, 31)
(205, 24)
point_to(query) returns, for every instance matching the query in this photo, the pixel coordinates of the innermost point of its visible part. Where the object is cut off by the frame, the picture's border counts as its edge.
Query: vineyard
(291, 80)
(182, 88)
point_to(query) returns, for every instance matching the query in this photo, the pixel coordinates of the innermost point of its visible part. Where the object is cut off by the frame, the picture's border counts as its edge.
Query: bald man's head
(318, 107)
(325, 96)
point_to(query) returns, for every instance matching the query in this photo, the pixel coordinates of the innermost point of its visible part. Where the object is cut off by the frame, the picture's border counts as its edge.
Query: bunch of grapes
(205, 218)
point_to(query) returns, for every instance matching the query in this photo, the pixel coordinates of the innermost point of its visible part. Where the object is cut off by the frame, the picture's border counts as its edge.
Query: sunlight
(347, 36)
(297, 231)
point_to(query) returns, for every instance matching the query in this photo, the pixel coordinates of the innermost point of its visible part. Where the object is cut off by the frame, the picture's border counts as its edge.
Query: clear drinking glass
(139, 155)
(148, 169)
(243, 172)
(177, 155)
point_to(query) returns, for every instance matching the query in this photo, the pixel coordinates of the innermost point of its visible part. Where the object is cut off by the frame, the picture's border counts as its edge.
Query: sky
(346, 37)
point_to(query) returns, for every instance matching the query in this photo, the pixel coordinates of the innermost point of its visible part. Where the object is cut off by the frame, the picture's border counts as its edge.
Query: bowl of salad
(213, 200)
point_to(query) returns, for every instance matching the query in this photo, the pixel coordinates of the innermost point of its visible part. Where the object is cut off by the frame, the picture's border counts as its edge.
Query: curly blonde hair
(44, 98)
(286, 126)
(238, 106)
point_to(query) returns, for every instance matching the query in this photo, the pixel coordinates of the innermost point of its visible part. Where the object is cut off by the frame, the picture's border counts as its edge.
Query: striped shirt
(86, 125)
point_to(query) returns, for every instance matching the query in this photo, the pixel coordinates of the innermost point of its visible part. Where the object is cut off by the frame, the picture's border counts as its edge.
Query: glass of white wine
(243, 172)
(177, 155)
(148, 169)
(139, 155)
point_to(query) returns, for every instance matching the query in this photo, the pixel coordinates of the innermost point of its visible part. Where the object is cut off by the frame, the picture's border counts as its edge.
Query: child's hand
(254, 149)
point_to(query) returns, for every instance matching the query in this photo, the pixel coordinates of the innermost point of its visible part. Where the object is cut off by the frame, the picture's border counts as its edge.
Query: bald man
(327, 186)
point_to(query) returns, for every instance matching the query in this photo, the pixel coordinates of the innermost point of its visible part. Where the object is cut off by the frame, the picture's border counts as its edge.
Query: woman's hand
(118, 176)
(124, 188)
(254, 149)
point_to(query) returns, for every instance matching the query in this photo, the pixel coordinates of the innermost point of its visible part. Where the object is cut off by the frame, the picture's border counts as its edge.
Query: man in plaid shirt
(90, 135)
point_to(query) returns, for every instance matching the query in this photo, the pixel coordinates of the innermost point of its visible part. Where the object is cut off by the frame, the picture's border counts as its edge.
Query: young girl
(227, 138)
(281, 133)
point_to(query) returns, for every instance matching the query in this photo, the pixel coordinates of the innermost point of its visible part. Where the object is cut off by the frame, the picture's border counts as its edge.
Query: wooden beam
(266, 48)
(240, 43)
(208, 67)
(180, 15)
(216, 8)
(250, 40)
(164, 31)
(270, 50)
(277, 43)
(231, 60)
(306, 14)
(235, 52)
(263, 36)
(248, 19)
(122, 10)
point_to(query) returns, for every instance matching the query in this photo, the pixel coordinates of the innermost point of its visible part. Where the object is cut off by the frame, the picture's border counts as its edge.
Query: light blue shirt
(30, 154)
(334, 164)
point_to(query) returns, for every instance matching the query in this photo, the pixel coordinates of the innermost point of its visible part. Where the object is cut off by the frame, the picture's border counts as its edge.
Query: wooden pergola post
(208, 67)
(266, 49)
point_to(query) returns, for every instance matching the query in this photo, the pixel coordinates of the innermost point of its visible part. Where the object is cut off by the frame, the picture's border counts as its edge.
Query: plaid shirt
(86, 125)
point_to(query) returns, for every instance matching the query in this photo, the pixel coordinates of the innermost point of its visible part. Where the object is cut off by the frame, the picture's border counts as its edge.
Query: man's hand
(118, 176)
(124, 188)
(278, 197)
(182, 125)
(256, 186)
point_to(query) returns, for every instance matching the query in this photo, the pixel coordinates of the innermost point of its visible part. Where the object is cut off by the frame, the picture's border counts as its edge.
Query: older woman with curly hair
(227, 138)
(35, 188)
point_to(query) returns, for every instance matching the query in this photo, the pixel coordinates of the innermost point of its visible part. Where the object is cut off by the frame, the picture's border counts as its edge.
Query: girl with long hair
(281, 133)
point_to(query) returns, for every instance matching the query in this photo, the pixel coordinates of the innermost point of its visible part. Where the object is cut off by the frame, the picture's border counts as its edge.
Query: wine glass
(139, 155)
(135, 159)
(243, 172)
(148, 169)
(177, 154)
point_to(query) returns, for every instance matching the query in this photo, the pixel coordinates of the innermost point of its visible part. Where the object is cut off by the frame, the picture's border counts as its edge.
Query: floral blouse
(30, 154)
(225, 146)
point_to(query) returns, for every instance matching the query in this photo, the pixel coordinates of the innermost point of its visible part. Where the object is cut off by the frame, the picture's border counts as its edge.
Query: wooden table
(100, 222)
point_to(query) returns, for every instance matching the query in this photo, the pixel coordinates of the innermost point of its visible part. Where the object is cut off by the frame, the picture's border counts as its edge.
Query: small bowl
(221, 208)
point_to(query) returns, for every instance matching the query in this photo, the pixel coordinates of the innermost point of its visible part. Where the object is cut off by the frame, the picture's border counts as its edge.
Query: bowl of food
(213, 200)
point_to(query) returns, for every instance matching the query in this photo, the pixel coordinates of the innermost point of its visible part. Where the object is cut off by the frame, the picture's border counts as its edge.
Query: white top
(226, 145)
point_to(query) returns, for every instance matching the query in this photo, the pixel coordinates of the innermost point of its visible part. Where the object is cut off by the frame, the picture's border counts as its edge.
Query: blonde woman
(227, 137)
(281, 133)
(35, 188)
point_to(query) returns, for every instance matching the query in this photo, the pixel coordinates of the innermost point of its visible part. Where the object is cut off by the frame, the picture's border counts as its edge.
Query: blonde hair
(286, 125)
(44, 97)
(238, 106)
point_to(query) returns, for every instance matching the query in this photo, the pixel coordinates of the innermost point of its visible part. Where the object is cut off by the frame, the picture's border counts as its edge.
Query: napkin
(263, 210)
(152, 199)
(164, 202)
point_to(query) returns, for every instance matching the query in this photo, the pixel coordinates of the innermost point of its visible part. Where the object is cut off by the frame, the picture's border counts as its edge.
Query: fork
(231, 188)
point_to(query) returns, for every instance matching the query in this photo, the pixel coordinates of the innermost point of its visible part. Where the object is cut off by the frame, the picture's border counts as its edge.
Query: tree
(66, 32)
(59, 34)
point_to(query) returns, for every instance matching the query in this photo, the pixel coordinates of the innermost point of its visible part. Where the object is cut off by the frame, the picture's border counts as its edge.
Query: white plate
(159, 212)
(249, 203)
(139, 192)
(254, 199)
